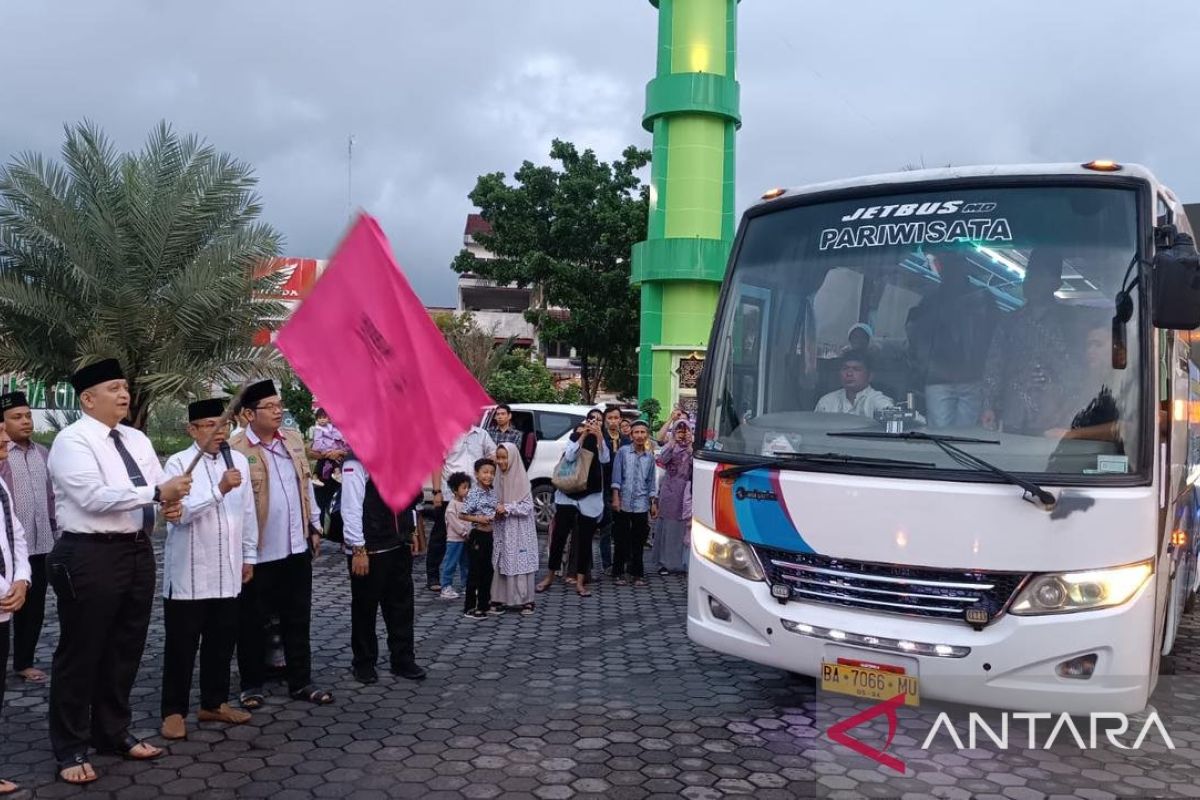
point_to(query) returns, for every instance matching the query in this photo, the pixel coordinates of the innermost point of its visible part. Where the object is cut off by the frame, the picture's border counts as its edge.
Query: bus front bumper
(1011, 664)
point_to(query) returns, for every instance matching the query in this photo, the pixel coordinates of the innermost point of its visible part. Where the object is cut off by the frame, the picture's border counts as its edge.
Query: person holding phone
(289, 537)
(107, 483)
(678, 414)
(578, 514)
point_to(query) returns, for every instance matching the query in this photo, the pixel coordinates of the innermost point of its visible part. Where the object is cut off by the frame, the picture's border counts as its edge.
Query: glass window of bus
(983, 312)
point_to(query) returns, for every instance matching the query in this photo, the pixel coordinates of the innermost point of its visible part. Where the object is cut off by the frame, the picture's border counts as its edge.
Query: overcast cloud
(438, 92)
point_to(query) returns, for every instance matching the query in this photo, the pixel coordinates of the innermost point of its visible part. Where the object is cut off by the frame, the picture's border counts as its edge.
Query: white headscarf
(513, 486)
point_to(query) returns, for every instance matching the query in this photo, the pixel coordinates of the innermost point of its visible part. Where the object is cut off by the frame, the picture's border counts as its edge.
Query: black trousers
(387, 587)
(282, 588)
(325, 493)
(630, 531)
(479, 571)
(4, 626)
(27, 623)
(437, 547)
(105, 592)
(569, 522)
(210, 626)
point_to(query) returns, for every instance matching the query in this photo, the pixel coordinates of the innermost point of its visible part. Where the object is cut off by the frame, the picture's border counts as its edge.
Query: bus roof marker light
(772, 194)
(1102, 165)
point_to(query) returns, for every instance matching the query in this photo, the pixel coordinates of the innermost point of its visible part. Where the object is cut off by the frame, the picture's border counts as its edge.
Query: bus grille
(912, 591)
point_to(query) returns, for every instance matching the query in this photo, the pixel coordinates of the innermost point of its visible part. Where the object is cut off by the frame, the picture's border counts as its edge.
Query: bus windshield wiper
(949, 444)
(789, 459)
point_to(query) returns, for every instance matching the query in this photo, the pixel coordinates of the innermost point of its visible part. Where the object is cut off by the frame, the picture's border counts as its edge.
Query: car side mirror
(1176, 281)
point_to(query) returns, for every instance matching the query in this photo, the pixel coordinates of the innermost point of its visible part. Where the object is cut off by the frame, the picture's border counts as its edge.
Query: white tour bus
(944, 446)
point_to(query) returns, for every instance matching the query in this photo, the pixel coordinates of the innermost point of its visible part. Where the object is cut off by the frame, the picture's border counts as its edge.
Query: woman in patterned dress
(515, 544)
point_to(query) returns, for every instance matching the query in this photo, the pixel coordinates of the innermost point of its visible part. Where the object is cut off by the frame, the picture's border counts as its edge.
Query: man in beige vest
(289, 535)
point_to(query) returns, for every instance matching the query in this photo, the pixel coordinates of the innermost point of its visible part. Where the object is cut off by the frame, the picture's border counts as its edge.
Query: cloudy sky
(438, 92)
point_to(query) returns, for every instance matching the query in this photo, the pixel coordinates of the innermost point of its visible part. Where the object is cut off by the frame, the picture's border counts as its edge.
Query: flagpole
(350, 177)
(221, 423)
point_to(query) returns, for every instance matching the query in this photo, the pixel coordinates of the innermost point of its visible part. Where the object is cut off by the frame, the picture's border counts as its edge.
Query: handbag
(571, 474)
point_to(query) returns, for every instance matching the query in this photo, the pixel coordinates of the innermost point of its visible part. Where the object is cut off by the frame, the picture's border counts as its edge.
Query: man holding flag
(399, 421)
(209, 553)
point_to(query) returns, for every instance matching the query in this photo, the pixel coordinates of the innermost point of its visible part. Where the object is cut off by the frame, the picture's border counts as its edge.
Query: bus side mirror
(1176, 281)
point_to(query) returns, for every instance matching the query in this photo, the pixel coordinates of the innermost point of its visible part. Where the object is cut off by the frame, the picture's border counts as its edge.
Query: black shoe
(366, 678)
(409, 672)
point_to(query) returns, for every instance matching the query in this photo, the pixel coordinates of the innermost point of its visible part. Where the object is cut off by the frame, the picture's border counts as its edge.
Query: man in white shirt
(856, 395)
(288, 532)
(23, 468)
(107, 482)
(473, 445)
(379, 544)
(14, 584)
(210, 552)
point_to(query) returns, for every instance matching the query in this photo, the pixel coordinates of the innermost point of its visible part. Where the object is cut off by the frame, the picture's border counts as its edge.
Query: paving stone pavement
(597, 697)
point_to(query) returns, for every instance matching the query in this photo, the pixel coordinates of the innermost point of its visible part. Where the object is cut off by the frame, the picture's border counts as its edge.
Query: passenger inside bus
(949, 332)
(1099, 419)
(1032, 365)
(856, 395)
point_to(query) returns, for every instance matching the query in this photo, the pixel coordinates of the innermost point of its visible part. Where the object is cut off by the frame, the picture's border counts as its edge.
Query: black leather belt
(107, 538)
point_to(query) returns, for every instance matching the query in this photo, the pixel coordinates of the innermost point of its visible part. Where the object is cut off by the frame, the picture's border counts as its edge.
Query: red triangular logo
(838, 732)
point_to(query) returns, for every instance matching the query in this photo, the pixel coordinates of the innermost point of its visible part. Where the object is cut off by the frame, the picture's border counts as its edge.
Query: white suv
(552, 425)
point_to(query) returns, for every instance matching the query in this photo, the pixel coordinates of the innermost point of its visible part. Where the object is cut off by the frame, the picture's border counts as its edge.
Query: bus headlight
(1064, 592)
(731, 554)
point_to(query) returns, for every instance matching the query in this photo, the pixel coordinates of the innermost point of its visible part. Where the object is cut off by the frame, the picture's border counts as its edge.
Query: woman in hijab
(674, 501)
(514, 534)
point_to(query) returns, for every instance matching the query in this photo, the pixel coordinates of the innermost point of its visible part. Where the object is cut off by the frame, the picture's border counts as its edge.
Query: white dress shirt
(286, 532)
(218, 532)
(16, 560)
(473, 445)
(92, 489)
(354, 491)
(866, 403)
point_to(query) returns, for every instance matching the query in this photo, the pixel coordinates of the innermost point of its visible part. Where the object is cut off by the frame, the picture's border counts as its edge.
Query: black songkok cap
(257, 392)
(101, 372)
(13, 400)
(206, 409)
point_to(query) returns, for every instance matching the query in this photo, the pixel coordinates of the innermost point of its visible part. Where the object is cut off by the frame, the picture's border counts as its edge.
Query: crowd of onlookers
(483, 547)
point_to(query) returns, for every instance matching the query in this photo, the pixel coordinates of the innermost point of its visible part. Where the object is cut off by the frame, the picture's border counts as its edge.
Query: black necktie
(135, 475)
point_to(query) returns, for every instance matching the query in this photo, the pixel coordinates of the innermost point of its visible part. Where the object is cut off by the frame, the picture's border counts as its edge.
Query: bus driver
(856, 395)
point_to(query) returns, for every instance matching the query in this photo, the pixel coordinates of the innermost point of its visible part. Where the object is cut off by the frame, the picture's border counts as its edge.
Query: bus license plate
(869, 683)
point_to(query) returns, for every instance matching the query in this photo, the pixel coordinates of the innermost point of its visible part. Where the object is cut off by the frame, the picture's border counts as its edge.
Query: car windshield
(978, 312)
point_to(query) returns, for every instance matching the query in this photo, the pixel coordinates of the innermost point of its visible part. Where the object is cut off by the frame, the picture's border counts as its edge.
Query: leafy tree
(148, 257)
(475, 347)
(569, 229)
(652, 411)
(298, 400)
(519, 380)
(571, 394)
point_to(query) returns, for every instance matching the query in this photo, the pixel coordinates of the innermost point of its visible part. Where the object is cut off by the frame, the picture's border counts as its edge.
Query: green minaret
(692, 110)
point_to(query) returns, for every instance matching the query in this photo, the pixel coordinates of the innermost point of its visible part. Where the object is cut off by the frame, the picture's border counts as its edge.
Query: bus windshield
(982, 313)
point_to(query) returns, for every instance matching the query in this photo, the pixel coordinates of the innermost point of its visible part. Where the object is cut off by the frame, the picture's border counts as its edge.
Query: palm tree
(148, 257)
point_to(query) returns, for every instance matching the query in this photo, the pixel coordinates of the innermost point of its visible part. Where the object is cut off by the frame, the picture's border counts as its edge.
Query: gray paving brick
(604, 698)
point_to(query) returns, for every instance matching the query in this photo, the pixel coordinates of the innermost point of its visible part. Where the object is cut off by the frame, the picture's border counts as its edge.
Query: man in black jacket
(379, 546)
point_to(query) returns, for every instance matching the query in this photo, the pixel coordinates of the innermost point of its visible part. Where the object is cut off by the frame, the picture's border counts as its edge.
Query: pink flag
(364, 344)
